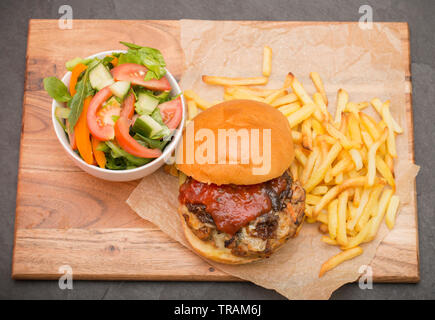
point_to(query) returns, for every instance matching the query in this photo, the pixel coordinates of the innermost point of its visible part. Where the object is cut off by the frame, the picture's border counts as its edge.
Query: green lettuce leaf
(56, 89)
(149, 57)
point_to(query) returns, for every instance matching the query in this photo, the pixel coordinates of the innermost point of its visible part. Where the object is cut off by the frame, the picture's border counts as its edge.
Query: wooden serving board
(67, 217)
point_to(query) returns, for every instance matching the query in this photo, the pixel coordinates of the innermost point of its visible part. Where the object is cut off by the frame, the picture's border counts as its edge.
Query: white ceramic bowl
(119, 175)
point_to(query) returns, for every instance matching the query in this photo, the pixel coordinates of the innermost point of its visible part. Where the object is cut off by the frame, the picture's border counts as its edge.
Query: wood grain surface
(67, 217)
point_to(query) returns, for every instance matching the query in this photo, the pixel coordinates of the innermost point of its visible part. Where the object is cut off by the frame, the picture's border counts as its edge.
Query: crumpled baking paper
(366, 63)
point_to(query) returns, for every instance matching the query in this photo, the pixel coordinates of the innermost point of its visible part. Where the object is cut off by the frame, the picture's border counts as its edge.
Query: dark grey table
(14, 16)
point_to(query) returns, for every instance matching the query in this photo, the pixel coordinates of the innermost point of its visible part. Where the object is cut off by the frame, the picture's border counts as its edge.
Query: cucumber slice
(118, 152)
(100, 77)
(120, 88)
(145, 104)
(62, 113)
(147, 126)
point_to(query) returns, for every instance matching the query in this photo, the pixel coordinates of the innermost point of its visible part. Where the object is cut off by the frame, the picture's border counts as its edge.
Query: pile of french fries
(344, 161)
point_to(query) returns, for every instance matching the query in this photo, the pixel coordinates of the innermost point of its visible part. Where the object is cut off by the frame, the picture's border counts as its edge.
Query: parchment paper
(366, 63)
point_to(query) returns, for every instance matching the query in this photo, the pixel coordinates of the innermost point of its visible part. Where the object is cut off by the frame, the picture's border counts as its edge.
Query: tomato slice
(126, 142)
(171, 112)
(128, 106)
(135, 73)
(105, 116)
(98, 129)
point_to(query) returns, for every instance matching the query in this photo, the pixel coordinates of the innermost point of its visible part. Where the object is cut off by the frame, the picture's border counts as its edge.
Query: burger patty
(264, 234)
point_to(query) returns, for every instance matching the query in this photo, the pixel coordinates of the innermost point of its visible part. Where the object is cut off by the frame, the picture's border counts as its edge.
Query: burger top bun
(245, 168)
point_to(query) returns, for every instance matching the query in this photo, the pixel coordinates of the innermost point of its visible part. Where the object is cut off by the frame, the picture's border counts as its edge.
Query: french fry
(351, 192)
(326, 138)
(372, 158)
(382, 125)
(323, 228)
(370, 126)
(391, 140)
(390, 162)
(342, 100)
(318, 162)
(272, 97)
(319, 190)
(228, 97)
(370, 207)
(341, 226)
(294, 170)
(333, 218)
(385, 171)
(229, 81)
(339, 258)
(201, 103)
(390, 216)
(267, 61)
(317, 81)
(354, 130)
(339, 178)
(357, 159)
(336, 190)
(297, 136)
(353, 108)
(288, 109)
(286, 99)
(329, 241)
(367, 139)
(358, 239)
(253, 91)
(377, 219)
(362, 105)
(192, 109)
(309, 165)
(357, 196)
(351, 210)
(299, 90)
(328, 176)
(318, 176)
(318, 100)
(312, 199)
(241, 94)
(301, 114)
(323, 217)
(377, 104)
(317, 127)
(397, 128)
(307, 137)
(343, 124)
(300, 156)
(364, 154)
(309, 212)
(345, 142)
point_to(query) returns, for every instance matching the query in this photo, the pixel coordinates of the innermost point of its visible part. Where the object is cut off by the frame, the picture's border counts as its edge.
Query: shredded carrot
(81, 132)
(78, 69)
(114, 62)
(100, 157)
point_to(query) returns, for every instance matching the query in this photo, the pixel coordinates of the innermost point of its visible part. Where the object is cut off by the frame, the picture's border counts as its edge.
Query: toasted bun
(238, 114)
(209, 251)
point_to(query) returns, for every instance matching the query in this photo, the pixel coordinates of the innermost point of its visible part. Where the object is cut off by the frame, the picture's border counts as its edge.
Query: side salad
(117, 111)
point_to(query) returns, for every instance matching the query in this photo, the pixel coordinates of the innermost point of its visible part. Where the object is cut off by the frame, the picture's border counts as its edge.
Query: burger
(235, 208)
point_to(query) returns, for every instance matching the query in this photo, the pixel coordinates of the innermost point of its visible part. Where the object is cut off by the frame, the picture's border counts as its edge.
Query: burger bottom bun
(208, 250)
